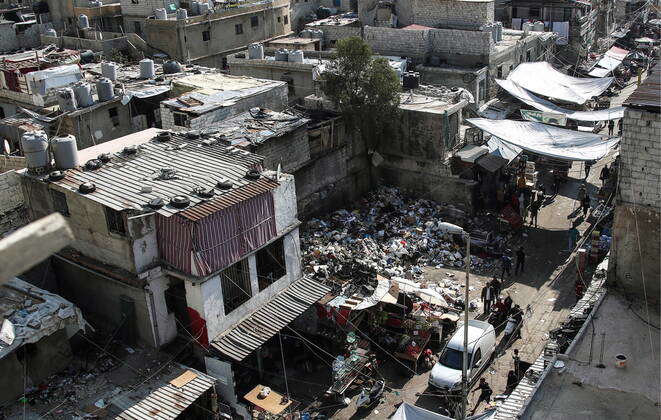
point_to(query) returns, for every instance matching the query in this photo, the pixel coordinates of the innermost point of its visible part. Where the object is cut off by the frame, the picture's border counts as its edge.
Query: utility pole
(464, 370)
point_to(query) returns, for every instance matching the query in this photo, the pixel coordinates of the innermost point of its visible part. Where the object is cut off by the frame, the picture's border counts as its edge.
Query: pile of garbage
(390, 235)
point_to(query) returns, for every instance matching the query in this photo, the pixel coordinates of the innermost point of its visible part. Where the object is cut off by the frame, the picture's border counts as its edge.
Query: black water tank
(410, 80)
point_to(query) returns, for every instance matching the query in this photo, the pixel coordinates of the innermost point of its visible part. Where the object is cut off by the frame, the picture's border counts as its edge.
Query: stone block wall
(334, 33)
(9, 163)
(12, 211)
(291, 150)
(437, 13)
(454, 41)
(392, 41)
(640, 159)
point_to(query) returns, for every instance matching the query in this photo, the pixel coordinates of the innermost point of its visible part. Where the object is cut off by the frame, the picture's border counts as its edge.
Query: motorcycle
(369, 396)
(513, 328)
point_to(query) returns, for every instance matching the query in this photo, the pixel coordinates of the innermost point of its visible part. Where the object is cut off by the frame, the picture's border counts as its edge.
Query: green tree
(363, 88)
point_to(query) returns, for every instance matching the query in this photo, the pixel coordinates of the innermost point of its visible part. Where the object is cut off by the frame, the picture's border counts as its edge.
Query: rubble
(391, 235)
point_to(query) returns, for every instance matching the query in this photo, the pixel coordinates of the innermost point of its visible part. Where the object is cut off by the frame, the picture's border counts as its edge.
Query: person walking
(534, 211)
(485, 393)
(573, 237)
(604, 175)
(585, 204)
(520, 260)
(588, 166)
(516, 360)
(487, 298)
(512, 381)
(507, 266)
(611, 127)
(496, 286)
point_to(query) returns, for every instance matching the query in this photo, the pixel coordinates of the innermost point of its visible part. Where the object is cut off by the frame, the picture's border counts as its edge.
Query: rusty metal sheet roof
(648, 94)
(119, 183)
(159, 399)
(241, 340)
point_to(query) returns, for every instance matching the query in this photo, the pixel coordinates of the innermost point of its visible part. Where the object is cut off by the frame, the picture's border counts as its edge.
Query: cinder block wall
(435, 13)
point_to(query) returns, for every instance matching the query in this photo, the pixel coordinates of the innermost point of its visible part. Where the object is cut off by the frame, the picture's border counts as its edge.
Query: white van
(446, 374)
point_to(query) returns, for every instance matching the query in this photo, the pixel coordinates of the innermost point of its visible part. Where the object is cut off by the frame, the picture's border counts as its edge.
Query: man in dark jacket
(520, 260)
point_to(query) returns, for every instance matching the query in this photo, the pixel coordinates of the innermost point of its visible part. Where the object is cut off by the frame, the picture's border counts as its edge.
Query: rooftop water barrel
(35, 149)
(104, 89)
(147, 69)
(83, 22)
(281, 55)
(256, 51)
(109, 71)
(204, 8)
(195, 8)
(83, 93)
(67, 100)
(538, 26)
(182, 14)
(295, 56)
(95, 3)
(171, 67)
(65, 152)
(527, 27)
(410, 80)
(499, 30)
(161, 14)
(50, 32)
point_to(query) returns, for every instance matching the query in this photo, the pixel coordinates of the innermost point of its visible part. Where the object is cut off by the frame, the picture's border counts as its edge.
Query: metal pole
(464, 370)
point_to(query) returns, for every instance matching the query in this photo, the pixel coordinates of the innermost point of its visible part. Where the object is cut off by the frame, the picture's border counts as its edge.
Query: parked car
(446, 374)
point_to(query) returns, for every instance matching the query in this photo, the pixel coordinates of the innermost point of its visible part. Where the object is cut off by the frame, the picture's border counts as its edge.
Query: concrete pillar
(254, 283)
(205, 308)
(163, 323)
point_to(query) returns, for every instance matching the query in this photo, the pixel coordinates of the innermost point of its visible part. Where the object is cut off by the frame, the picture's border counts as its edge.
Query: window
(534, 12)
(114, 117)
(135, 2)
(235, 282)
(206, 35)
(238, 29)
(254, 21)
(279, 19)
(270, 264)
(515, 12)
(286, 19)
(180, 119)
(482, 90)
(500, 72)
(528, 55)
(136, 27)
(477, 357)
(115, 221)
(60, 202)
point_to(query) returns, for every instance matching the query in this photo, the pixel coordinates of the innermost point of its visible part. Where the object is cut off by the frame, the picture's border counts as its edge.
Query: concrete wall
(334, 33)
(274, 99)
(105, 45)
(436, 13)
(144, 8)
(299, 10)
(392, 41)
(12, 39)
(93, 125)
(636, 230)
(298, 75)
(12, 210)
(291, 150)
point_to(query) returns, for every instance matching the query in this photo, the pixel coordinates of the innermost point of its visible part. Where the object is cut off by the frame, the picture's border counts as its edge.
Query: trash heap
(388, 234)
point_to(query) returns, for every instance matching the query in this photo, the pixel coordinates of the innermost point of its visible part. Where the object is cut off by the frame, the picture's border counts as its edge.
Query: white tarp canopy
(609, 62)
(548, 106)
(502, 149)
(43, 81)
(144, 93)
(407, 411)
(541, 78)
(599, 72)
(547, 140)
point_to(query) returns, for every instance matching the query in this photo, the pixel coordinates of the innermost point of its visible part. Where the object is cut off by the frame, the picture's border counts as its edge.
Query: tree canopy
(364, 89)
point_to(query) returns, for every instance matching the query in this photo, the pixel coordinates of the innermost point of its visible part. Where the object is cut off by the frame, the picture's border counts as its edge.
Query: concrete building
(337, 27)
(207, 39)
(34, 342)
(142, 260)
(578, 24)
(636, 232)
(102, 15)
(199, 101)
(18, 35)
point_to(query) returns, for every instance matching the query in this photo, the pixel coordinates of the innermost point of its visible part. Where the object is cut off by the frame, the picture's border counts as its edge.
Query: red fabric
(342, 316)
(198, 327)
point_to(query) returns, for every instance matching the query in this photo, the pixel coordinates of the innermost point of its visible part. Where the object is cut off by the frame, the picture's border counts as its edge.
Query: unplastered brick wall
(12, 210)
(436, 13)
(399, 42)
(454, 41)
(291, 150)
(333, 33)
(640, 159)
(8, 163)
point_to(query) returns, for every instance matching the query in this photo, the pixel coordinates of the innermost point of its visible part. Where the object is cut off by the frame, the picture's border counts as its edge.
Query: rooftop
(256, 126)
(49, 56)
(215, 90)
(294, 40)
(143, 167)
(436, 100)
(581, 389)
(648, 94)
(348, 19)
(33, 313)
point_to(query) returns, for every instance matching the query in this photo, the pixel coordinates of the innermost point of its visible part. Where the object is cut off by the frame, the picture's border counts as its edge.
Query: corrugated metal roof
(159, 399)
(238, 342)
(648, 94)
(119, 182)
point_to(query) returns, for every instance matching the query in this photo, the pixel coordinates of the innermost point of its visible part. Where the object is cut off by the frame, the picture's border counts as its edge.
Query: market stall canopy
(502, 149)
(547, 106)
(408, 411)
(548, 140)
(541, 78)
(356, 303)
(241, 340)
(611, 60)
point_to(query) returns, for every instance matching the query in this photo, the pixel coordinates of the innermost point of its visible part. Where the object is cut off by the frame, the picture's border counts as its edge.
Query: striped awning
(241, 340)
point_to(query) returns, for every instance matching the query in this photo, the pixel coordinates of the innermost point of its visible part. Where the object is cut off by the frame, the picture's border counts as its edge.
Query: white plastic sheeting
(548, 106)
(144, 93)
(408, 411)
(41, 82)
(599, 72)
(503, 149)
(541, 78)
(548, 140)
